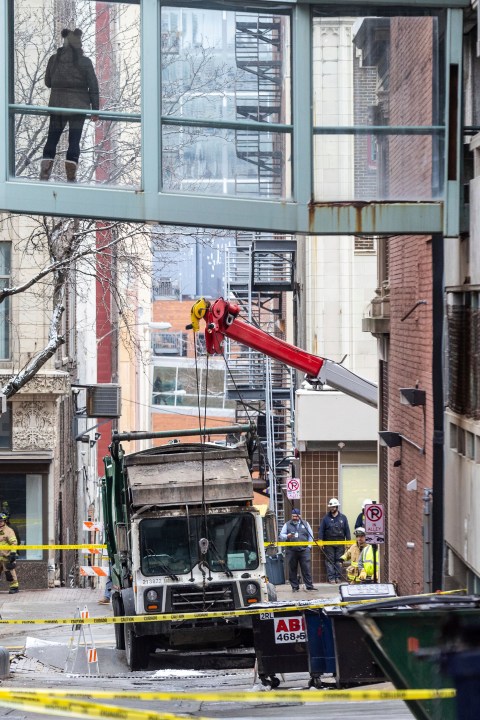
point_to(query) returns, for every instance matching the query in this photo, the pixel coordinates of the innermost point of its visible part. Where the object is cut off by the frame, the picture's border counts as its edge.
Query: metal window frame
(300, 215)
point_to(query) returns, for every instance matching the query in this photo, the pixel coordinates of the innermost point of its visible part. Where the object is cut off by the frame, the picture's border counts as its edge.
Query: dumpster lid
(420, 602)
(301, 604)
(367, 592)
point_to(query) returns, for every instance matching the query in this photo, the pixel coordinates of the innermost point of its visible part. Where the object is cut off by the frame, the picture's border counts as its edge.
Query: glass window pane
(225, 162)
(222, 66)
(6, 428)
(378, 72)
(33, 514)
(5, 262)
(170, 545)
(376, 167)
(96, 64)
(178, 385)
(164, 385)
(21, 500)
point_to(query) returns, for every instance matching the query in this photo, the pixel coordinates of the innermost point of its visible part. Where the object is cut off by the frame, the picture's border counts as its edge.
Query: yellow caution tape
(47, 705)
(279, 696)
(177, 617)
(310, 542)
(86, 546)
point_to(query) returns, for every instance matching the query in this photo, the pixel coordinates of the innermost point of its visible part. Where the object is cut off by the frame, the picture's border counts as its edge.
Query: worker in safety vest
(352, 555)
(366, 565)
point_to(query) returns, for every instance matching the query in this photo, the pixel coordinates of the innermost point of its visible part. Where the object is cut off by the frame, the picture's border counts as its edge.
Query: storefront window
(21, 500)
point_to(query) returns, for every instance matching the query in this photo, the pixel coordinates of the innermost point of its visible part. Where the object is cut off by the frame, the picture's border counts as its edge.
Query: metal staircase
(259, 268)
(263, 387)
(258, 53)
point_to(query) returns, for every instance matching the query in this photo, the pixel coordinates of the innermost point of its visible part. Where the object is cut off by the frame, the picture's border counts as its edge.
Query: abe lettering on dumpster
(289, 629)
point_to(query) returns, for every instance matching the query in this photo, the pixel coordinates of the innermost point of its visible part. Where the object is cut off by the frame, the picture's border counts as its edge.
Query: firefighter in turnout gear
(352, 555)
(8, 557)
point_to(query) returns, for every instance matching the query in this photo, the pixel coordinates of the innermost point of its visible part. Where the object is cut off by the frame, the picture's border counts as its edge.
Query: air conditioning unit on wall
(104, 401)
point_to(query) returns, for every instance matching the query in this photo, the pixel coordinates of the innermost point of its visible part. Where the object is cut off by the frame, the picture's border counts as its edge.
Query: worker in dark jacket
(334, 526)
(360, 521)
(297, 530)
(73, 83)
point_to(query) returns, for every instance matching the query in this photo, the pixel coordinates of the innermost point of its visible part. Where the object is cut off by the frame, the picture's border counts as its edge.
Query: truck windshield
(165, 543)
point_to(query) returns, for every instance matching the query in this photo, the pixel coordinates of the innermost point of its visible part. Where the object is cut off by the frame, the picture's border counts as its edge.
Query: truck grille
(195, 599)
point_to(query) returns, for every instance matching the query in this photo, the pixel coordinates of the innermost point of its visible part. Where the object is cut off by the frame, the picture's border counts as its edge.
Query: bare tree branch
(55, 340)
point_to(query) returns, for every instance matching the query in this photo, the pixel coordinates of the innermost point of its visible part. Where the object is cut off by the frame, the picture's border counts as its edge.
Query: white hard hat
(333, 503)
(360, 531)
(367, 501)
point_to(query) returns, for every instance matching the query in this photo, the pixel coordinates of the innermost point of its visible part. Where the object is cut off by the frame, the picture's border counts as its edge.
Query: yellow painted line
(280, 696)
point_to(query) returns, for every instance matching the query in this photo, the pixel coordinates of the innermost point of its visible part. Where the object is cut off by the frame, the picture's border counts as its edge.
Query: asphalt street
(27, 643)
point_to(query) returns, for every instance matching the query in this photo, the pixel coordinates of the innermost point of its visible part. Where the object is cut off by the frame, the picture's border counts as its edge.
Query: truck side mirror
(121, 538)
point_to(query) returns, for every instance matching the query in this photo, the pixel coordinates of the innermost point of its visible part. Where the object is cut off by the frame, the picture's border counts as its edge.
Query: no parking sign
(375, 523)
(293, 488)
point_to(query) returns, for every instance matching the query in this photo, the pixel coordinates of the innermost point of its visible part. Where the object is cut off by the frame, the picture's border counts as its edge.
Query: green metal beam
(109, 203)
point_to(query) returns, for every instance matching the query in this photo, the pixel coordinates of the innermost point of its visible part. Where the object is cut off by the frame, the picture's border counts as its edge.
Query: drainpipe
(427, 540)
(438, 418)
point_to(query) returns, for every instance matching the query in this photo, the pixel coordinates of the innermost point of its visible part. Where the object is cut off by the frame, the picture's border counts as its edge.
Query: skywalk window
(226, 102)
(378, 115)
(53, 82)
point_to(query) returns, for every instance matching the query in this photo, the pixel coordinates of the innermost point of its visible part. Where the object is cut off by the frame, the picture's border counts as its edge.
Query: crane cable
(202, 463)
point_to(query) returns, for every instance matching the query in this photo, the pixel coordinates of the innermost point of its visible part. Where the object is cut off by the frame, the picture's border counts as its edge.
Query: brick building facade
(409, 365)
(404, 325)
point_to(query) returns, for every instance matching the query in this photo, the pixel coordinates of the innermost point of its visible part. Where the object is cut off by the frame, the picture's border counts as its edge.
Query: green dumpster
(406, 641)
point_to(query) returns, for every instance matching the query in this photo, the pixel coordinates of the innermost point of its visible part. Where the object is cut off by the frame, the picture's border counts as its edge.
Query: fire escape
(260, 267)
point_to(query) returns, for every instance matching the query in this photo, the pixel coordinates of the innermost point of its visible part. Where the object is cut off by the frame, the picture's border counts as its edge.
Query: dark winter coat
(334, 528)
(360, 521)
(72, 80)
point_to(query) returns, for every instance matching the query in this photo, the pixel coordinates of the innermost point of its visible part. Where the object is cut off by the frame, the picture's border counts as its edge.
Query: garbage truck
(183, 536)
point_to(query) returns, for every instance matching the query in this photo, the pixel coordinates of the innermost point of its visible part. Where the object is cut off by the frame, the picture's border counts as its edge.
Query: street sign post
(375, 523)
(294, 488)
(375, 530)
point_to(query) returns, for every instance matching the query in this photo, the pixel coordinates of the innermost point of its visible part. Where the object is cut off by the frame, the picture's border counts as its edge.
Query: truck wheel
(117, 606)
(137, 649)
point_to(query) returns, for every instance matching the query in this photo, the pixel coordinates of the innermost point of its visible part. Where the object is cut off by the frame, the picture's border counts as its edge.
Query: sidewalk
(48, 604)
(323, 590)
(72, 597)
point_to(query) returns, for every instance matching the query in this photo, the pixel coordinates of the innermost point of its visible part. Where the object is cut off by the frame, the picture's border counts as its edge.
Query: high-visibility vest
(367, 559)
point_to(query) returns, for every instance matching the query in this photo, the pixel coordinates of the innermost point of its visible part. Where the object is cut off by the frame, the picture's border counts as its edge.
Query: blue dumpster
(320, 644)
(275, 569)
